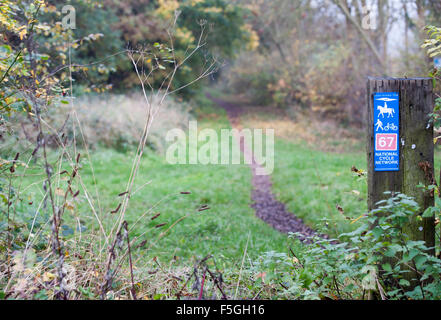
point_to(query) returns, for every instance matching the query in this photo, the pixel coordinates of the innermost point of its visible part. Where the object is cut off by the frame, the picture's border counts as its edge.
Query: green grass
(223, 231)
(312, 183)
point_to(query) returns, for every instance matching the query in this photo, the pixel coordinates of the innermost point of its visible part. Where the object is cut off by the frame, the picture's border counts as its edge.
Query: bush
(375, 258)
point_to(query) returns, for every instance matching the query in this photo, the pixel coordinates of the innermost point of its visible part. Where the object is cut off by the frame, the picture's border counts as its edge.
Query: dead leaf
(340, 209)
(261, 275)
(23, 33)
(69, 206)
(48, 276)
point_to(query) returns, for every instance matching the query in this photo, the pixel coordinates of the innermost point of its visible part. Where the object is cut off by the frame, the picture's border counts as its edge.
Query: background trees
(136, 24)
(318, 55)
(292, 54)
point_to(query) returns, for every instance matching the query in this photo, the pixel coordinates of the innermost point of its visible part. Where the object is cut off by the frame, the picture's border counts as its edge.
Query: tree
(146, 21)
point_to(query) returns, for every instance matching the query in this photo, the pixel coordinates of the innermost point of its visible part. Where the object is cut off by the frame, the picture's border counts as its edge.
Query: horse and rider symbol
(390, 114)
(385, 110)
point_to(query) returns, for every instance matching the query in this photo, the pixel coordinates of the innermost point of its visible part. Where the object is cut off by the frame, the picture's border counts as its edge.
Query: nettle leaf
(404, 283)
(415, 294)
(413, 243)
(413, 253)
(387, 267)
(420, 261)
(357, 232)
(409, 202)
(429, 212)
(377, 232)
(392, 250)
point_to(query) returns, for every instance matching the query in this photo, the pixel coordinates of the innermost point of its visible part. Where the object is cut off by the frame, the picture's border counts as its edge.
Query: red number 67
(386, 141)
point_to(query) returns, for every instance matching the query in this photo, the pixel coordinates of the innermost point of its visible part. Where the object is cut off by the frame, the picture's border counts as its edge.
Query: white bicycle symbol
(390, 126)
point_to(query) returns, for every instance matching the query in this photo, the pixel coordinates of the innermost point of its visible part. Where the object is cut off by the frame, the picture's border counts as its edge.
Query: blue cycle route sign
(386, 131)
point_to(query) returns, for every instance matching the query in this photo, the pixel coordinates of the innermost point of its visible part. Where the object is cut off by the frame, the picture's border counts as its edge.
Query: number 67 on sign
(386, 142)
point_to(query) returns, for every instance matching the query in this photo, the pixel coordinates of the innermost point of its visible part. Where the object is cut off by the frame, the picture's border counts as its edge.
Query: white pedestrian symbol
(390, 111)
(379, 125)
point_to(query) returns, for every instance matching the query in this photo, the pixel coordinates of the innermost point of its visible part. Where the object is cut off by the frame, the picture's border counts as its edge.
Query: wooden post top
(420, 81)
(394, 78)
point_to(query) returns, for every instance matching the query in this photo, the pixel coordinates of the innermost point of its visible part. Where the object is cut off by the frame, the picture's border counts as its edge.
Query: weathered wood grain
(416, 152)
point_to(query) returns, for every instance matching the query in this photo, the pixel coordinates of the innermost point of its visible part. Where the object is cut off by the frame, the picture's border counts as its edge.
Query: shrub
(375, 258)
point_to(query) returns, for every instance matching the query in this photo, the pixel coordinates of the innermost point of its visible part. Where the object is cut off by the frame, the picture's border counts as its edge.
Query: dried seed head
(155, 216)
(160, 225)
(142, 244)
(117, 208)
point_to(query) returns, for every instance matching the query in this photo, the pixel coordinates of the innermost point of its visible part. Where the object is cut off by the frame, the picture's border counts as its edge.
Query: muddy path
(264, 202)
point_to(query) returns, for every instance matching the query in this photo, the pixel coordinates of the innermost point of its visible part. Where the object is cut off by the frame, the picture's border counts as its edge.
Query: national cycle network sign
(386, 131)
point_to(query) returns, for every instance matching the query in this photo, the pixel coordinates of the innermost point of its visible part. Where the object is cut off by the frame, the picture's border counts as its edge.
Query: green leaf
(404, 283)
(420, 261)
(387, 267)
(377, 232)
(429, 212)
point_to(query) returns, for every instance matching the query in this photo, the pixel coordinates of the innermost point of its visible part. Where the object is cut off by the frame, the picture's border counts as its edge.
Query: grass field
(224, 231)
(313, 183)
(316, 185)
(309, 181)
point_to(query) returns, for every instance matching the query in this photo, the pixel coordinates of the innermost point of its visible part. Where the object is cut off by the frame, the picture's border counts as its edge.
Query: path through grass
(312, 183)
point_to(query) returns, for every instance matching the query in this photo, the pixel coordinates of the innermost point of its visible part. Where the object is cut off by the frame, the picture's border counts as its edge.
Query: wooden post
(415, 149)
